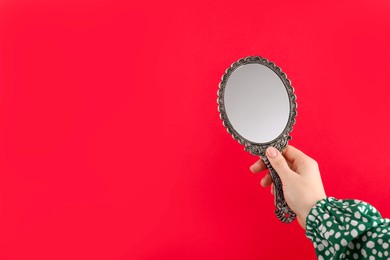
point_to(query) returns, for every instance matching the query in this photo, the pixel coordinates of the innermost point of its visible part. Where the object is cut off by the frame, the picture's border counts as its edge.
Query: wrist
(309, 206)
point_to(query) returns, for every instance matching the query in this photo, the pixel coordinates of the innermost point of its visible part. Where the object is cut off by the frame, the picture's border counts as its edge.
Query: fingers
(297, 158)
(258, 166)
(294, 155)
(266, 181)
(278, 162)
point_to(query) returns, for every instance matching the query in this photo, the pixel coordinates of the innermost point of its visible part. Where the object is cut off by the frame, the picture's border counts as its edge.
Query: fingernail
(271, 152)
(262, 182)
(251, 168)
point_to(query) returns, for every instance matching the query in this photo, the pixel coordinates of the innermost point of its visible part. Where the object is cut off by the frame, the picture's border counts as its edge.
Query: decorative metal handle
(282, 211)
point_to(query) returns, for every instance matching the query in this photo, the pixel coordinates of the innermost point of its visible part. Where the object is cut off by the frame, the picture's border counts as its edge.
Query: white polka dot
(363, 252)
(347, 219)
(337, 247)
(329, 223)
(320, 247)
(331, 250)
(337, 235)
(320, 257)
(315, 212)
(354, 233)
(364, 220)
(370, 244)
(311, 218)
(357, 214)
(380, 254)
(385, 245)
(364, 238)
(325, 243)
(326, 216)
(323, 229)
(371, 257)
(380, 241)
(386, 253)
(374, 251)
(357, 245)
(374, 235)
(354, 223)
(327, 234)
(343, 242)
(355, 256)
(351, 245)
(362, 227)
(378, 229)
(327, 252)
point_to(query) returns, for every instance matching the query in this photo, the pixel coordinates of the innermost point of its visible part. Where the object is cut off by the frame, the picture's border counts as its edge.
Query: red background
(111, 146)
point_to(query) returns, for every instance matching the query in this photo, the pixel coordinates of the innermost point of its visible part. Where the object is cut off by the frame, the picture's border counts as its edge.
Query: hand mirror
(257, 106)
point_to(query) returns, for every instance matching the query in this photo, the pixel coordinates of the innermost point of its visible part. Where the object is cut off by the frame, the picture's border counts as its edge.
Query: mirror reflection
(257, 103)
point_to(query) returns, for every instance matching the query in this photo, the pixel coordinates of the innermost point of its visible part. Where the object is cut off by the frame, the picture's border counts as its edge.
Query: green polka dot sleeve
(348, 229)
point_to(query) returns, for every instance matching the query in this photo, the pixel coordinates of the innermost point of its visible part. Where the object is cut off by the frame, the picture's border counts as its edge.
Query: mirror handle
(282, 211)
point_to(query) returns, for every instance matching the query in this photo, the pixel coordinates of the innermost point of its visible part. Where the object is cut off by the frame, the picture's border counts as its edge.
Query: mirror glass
(257, 103)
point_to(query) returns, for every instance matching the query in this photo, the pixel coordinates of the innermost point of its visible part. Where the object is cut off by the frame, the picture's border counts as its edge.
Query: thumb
(278, 162)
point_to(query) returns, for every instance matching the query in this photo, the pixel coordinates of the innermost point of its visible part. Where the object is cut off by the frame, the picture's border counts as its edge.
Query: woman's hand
(301, 179)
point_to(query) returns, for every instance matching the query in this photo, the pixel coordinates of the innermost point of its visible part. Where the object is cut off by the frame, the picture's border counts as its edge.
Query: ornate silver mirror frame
(282, 211)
